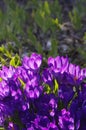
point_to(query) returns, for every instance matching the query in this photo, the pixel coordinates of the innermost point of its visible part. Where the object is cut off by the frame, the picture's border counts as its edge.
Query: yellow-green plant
(77, 14)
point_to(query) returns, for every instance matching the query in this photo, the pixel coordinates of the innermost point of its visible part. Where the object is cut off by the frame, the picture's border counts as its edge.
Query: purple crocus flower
(33, 88)
(12, 126)
(75, 72)
(25, 62)
(2, 114)
(47, 77)
(51, 99)
(33, 62)
(66, 122)
(58, 64)
(83, 73)
(7, 73)
(46, 105)
(4, 89)
(21, 73)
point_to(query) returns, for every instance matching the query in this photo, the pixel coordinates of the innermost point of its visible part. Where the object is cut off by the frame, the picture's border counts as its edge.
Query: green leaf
(55, 21)
(2, 49)
(54, 48)
(39, 48)
(47, 88)
(3, 61)
(5, 52)
(1, 79)
(31, 36)
(15, 61)
(76, 18)
(70, 102)
(46, 8)
(22, 83)
(2, 128)
(56, 10)
(56, 86)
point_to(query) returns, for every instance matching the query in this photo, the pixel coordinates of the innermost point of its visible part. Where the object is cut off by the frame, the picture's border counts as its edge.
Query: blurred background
(49, 27)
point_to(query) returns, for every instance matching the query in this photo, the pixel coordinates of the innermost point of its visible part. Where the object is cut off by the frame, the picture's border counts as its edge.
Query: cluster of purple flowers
(48, 98)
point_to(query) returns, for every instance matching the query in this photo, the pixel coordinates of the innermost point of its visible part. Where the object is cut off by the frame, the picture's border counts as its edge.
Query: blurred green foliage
(77, 14)
(43, 17)
(2, 128)
(17, 25)
(11, 21)
(75, 18)
(30, 26)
